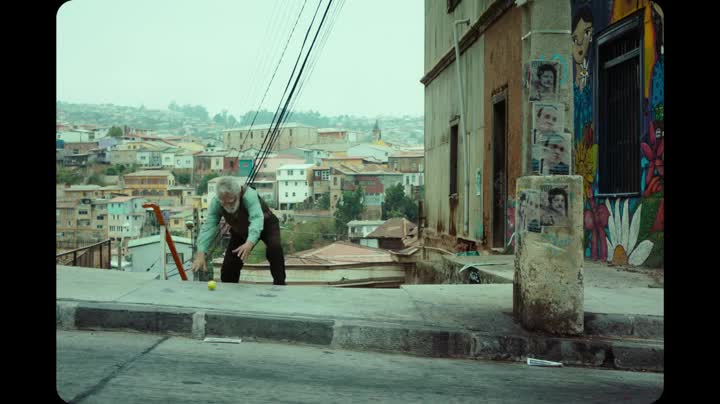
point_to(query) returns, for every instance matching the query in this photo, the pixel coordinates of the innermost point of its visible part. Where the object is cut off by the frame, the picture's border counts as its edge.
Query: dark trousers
(232, 264)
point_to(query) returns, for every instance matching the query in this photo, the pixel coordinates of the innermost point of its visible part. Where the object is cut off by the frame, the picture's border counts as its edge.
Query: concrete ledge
(622, 325)
(639, 356)
(65, 315)
(151, 319)
(394, 338)
(275, 328)
(500, 347)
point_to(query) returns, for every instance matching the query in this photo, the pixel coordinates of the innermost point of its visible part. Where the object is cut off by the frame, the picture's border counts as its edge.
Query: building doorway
(499, 170)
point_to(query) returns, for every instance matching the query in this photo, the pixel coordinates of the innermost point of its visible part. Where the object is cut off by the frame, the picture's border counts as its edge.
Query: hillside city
(328, 179)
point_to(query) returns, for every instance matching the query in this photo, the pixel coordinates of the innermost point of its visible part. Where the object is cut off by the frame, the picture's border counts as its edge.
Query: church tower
(377, 137)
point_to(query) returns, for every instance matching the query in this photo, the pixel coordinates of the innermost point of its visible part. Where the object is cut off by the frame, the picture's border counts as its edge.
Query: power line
(262, 56)
(259, 160)
(311, 66)
(257, 111)
(302, 68)
(316, 56)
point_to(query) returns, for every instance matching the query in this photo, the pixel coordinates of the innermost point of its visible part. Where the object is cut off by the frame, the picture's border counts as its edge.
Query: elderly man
(250, 219)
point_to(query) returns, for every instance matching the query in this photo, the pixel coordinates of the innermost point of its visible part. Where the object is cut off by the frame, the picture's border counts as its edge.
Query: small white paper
(223, 340)
(540, 362)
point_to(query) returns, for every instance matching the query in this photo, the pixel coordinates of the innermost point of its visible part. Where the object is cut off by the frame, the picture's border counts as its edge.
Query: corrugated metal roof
(397, 227)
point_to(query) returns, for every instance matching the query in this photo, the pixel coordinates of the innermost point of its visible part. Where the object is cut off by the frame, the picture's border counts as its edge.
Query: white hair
(228, 185)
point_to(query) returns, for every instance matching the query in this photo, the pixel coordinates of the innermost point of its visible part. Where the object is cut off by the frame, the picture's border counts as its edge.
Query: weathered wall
(503, 72)
(442, 107)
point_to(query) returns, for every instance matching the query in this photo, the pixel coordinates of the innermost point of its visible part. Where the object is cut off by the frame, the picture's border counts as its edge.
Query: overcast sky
(222, 53)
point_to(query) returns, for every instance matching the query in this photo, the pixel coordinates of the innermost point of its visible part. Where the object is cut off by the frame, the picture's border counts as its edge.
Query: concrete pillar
(548, 288)
(546, 36)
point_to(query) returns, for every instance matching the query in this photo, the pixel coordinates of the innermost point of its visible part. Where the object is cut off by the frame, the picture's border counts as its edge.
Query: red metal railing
(168, 239)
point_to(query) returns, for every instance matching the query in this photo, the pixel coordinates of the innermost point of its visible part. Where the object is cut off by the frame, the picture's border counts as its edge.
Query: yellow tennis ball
(211, 285)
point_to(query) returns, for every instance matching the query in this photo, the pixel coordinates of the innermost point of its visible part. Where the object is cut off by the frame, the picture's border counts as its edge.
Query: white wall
(144, 256)
(184, 161)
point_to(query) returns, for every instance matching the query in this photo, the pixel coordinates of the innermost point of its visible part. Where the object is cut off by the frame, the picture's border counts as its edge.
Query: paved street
(117, 367)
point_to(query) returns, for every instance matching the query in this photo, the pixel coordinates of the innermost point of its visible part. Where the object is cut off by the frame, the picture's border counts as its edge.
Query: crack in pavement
(417, 307)
(96, 388)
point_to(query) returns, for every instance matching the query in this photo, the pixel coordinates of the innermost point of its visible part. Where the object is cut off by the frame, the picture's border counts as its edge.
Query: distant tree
(68, 176)
(203, 186)
(324, 202)
(183, 178)
(231, 121)
(115, 132)
(111, 171)
(95, 179)
(218, 119)
(397, 204)
(173, 106)
(349, 208)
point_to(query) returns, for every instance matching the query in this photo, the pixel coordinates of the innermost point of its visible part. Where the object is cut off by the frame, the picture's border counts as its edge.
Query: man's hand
(244, 250)
(199, 264)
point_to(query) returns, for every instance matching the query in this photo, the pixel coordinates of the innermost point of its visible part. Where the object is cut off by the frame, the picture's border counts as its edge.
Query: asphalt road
(118, 367)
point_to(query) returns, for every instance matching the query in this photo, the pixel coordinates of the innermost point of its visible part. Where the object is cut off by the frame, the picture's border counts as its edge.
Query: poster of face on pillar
(555, 206)
(547, 118)
(544, 80)
(539, 209)
(553, 153)
(529, 211)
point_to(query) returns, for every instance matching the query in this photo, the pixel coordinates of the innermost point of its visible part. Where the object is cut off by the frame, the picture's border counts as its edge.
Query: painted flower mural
(595, 220)
(623, 236)
(654, 152)
(586, 161)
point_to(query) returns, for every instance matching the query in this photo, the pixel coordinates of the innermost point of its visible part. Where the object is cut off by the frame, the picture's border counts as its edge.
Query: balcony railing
(93, 256)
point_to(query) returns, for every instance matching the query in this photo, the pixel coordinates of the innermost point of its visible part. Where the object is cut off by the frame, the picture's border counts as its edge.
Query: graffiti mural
(621, 231)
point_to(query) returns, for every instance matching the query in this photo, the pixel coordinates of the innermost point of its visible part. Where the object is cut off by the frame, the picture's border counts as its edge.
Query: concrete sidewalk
(623, 326)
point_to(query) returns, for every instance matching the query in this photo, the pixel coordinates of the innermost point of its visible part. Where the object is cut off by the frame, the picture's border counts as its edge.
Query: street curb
(150, 319)
(387, 337)
(266, 327)
(412, 339)
(625, 325)
(65, 315)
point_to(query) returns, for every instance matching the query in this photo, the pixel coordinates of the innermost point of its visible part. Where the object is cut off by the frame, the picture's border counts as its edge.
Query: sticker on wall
(554, 149)
(547, 118)
(544, 80)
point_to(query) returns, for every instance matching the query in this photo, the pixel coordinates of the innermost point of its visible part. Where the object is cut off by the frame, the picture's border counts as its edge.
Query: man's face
(581, 40)
(556, 151)
(548, 120)
(229, 202)
(547, 79)
(558, 203)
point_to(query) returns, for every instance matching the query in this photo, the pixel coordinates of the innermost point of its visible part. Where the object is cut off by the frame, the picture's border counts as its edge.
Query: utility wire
(257, 111)
(268, 137)
(313, 62)
(311, 66)
(302, 68)
(262, 56)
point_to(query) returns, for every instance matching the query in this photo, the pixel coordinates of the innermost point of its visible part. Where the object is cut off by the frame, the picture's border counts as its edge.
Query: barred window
(619, 97)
